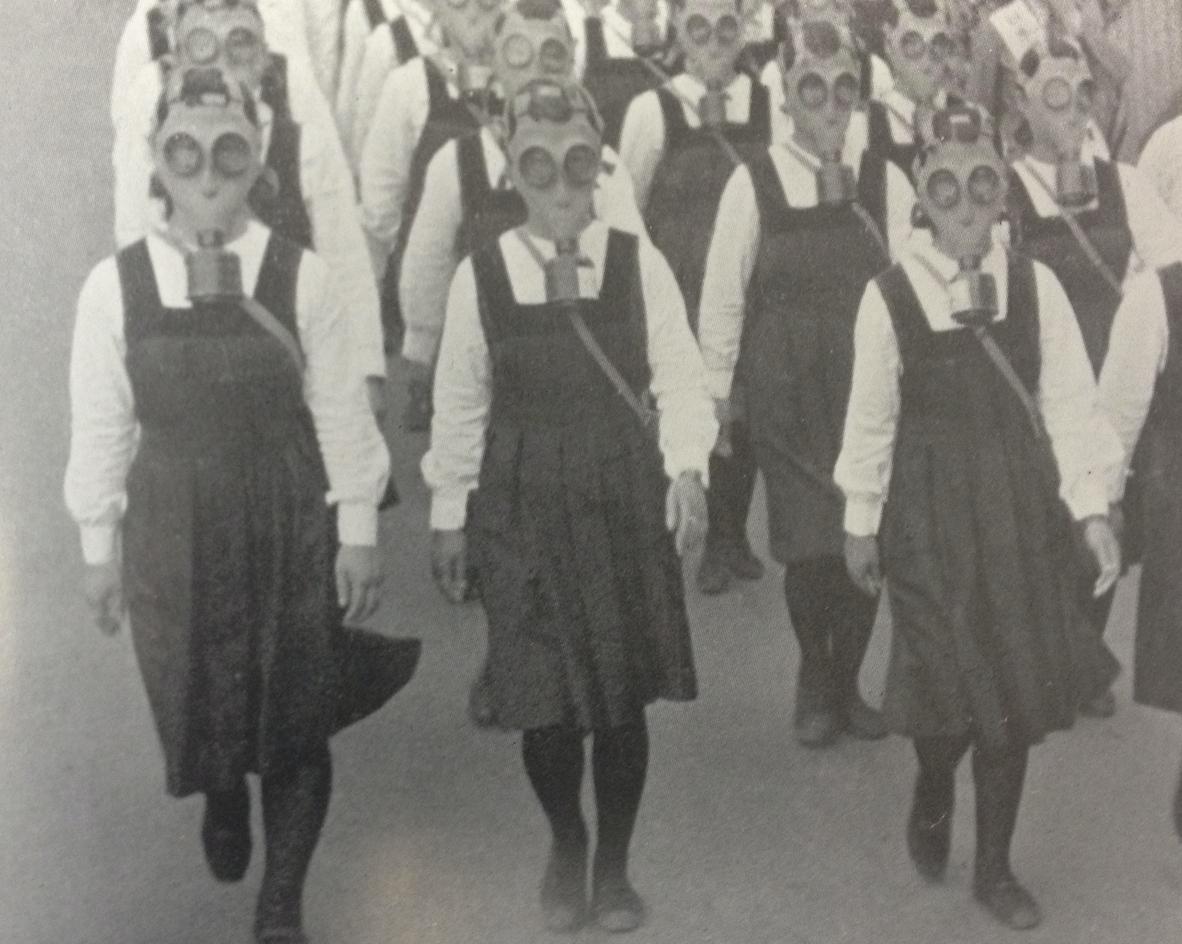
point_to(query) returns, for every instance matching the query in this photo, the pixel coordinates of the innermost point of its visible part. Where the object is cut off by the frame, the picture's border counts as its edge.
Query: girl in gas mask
(1091, 221)
(800, 229)
(547, 476)
(972, 410)
(313, 201)
(468, 198)
(216, 421)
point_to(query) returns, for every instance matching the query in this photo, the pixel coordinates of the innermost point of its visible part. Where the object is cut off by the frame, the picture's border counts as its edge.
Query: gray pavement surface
(433, 837)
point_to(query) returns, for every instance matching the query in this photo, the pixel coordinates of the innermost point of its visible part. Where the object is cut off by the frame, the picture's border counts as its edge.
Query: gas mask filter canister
(214, 274)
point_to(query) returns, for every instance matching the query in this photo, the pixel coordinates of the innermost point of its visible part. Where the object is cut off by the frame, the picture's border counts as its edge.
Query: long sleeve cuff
(99, 542)
(357, 524)
(719, 383)
(449, 509)
(419, 345)
(863, 513)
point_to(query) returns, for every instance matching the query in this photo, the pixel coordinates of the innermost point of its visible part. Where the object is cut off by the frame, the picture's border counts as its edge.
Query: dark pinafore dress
(229, 545)
(688, 184)
(976, 544)
(613, 82)
(447, 118)
(577, 572)
(487, 211)
(405, 47)
(1157, 667)
(797, 351)
(285, 211)
(880, 140)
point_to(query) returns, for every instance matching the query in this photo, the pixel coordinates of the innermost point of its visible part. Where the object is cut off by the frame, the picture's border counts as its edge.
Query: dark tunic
(487, 211)
(881, 141)
(976, 544)
(286, 212)
(405, 47)
(1157, 674)
(613, 82)
(797, 350)
(688, 184)
(157, 26)
(228, 542)
(577, 572)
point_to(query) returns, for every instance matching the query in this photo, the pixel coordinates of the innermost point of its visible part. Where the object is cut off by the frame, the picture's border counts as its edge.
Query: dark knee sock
(732, 483)
(620, 768)
(938, 759)
(229, 808)
(999, 776)
(295, 803)
(553, 760)
(808, 610)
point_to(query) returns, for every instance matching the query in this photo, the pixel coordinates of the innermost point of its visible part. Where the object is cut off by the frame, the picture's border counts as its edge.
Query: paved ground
(744, 838)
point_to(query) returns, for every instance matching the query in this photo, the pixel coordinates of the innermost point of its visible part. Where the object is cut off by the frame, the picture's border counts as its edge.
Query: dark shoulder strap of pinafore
(274, 86)
(141, 294)
(473, 172)
(288, 214)
(907, 319)
(494, 294)
(759, 114)
(405, 47)
(157, 33)
(374, 13)
(273, 306)
(676, 127)
(596, 44)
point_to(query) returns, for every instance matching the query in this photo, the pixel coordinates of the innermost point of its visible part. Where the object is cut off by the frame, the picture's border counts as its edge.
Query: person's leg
(809, 600)
(929, 827)
(1095, 613)
(295, 803)
(999, 776)
(553, 759)
(225, 832)
(619, 767)
(851, 623)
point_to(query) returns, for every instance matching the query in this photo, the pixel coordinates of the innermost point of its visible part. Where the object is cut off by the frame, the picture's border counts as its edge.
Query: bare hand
(103, 587)
(685, 511)
(1105, 548)
(449, 564)
(359, 582)
(861, 561)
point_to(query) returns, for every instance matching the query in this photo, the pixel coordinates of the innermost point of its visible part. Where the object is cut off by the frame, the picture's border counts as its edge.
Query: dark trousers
(833, 620)
(732, 483)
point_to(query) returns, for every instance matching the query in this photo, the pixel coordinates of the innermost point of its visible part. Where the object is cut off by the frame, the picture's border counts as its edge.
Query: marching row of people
(631, 256)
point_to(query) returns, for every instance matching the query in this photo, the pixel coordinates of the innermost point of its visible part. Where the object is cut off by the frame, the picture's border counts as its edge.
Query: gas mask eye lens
(912, 45)
(201, 46)
(231, 155)
(812, 91)
(242, 46)
(943, 189)
(553, 57)
(698, 29)
(182, 154)
(726, 30)
(984, 185)
(845, 91)
(518, 51)
(1056, 94)
(581, 165)
(537, 168)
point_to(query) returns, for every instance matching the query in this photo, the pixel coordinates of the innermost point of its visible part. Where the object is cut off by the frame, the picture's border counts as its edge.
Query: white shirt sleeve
(642, 143)
(1137, 351)
(900, 199)
(430, 260)
(1157, 233)
(102, 416)
(322, 21)
(131, 55)
(687, 428)
(131, 157)
(329, 197)
(463, 392)
(1161, 166)
(729, 264)
(354, 33)
(615, 197)
(1086, 448)
(355, 454)
(387, 158)
(863, 470)
(378, 60)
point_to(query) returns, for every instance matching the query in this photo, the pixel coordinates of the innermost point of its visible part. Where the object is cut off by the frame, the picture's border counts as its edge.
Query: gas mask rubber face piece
(821, 91)
(642, 15)
(208, 156)
(224, 36)
(710, 33)
(919, 50)
(468, 26)
(528, 49)
(1057, 101)
(961, 185)
(555, 153)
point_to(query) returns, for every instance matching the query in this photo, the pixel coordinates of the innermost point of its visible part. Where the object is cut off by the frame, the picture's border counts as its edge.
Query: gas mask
(710, 33)
(468, 28)
(526, 49)
(1057, 97)
(222, 34)
(919, 49)
(961, 185)
(207, 149)
(821, 90)
(646, 31)
(554, 148)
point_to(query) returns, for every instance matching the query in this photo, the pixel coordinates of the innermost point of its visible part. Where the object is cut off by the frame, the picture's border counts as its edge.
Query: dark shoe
(929, 838)
(743, 564)
(862, 721)
(225, 837)
(1008, 902)
(815, 720)
(564, 891)
(1102, 706)
(417, 415)
(280, 936)
(616, 907)
(714, 576)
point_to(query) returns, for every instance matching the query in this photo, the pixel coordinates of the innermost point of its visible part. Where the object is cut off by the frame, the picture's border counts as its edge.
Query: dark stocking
(295, 803)
(620, 767)
(929, 828)
(999, 776)
(554, 763)
(732, 483)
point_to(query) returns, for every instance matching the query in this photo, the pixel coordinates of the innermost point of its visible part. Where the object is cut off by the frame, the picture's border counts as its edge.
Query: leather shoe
(862, 721)
(616, 906)
(225, 837)
(1008, 902)
(564, 891)
(929, 838)
(743, 564)
(714, 576)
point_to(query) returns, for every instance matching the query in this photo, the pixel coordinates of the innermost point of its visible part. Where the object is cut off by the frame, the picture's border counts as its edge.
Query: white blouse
(104, 430)
(463, 376)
